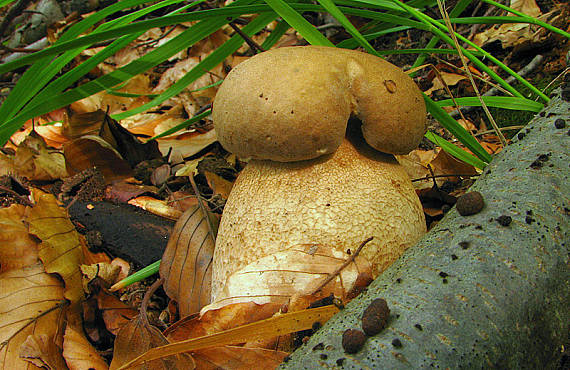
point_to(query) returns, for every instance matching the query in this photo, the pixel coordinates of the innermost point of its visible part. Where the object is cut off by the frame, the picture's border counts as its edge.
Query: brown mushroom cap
(339, 199)
(293, 103)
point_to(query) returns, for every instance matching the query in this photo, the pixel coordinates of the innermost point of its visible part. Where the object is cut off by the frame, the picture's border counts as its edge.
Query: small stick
(336, 272)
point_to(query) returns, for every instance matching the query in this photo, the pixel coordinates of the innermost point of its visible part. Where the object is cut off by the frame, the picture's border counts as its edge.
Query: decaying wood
(476, 292)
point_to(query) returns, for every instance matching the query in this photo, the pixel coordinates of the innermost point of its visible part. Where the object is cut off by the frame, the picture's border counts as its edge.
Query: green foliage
(42, 88)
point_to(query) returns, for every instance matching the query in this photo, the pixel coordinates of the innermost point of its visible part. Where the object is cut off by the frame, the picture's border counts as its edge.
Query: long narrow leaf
(296, 20)
(457, 130)
(505, 102)
(212, 60)
(458, 153)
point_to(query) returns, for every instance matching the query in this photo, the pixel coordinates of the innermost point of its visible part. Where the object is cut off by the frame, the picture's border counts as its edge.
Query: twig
(14, 11)
(438, 176)
(252, 44)
(335, 273)
(146, 299)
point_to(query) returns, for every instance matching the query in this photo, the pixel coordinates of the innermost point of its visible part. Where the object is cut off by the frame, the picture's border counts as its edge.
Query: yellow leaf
(60, 250)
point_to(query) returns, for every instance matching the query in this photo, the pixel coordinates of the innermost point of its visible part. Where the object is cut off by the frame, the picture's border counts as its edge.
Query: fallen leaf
(298, 270)
(136, 338)
(116, 314)
(518, 35)
(231, 357)
(217, 320)
(42, 352)
(61, 249)
(35, 161)
(79, 354)
(31, 302)
(275, 326)
(17, 248)
(92, 151)
(186, 262)
(156, 206)
(449, 79)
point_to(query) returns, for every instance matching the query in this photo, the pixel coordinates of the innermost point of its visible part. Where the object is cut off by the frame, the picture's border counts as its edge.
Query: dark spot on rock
(286, 359)
(521, 135)
(444, 281)
(542, 114)
(319, 347)
(353, 340)
(324, 356)
(529, 220)
(419, 327)
(539, 162)
(316, 326)
(560, 123)
(470, 203)
(443, 274)
(453, 257)
(504, 220)
(375, 317)
(340, 361)
(397, 343)
(464, 245)
(529, 212)
(398, 280)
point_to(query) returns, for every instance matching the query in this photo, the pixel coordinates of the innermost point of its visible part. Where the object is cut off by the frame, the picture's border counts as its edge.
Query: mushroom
(287, 110)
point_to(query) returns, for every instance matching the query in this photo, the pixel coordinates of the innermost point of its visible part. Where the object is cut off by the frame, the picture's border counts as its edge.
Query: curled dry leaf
(42, 352)
(35, 161)
(298, 270)
(17, 248)
(61, 248)
(92, 151)
(136, 338)
(79, 353)
(156, 206)
(217, 320)
(186, 263)
(31, 302)
(115, 313)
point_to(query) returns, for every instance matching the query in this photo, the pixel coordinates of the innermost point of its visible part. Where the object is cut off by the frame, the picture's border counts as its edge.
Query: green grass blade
(146, 62)
(296, 20)
(349, 27)
(212, 60)
(458, 153)
(142, 274)
(457, 130)
(504, 102)
(183, 125)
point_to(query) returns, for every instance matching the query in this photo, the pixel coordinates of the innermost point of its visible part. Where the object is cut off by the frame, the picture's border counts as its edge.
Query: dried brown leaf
(79, 354)
(186, 262)
(115, 313)
(221, 319)
(61, 249)
(136, 338)
(41, 351)
(92, 151)
(31, 302)
(231, 357)
(275, 326)
(35, 161)
(298, 270)
(17, 248)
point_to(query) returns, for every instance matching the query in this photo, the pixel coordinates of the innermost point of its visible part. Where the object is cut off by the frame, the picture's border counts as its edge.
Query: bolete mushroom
(292, 105)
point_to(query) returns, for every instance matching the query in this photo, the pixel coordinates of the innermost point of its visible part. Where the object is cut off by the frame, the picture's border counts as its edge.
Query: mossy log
(476, 292)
